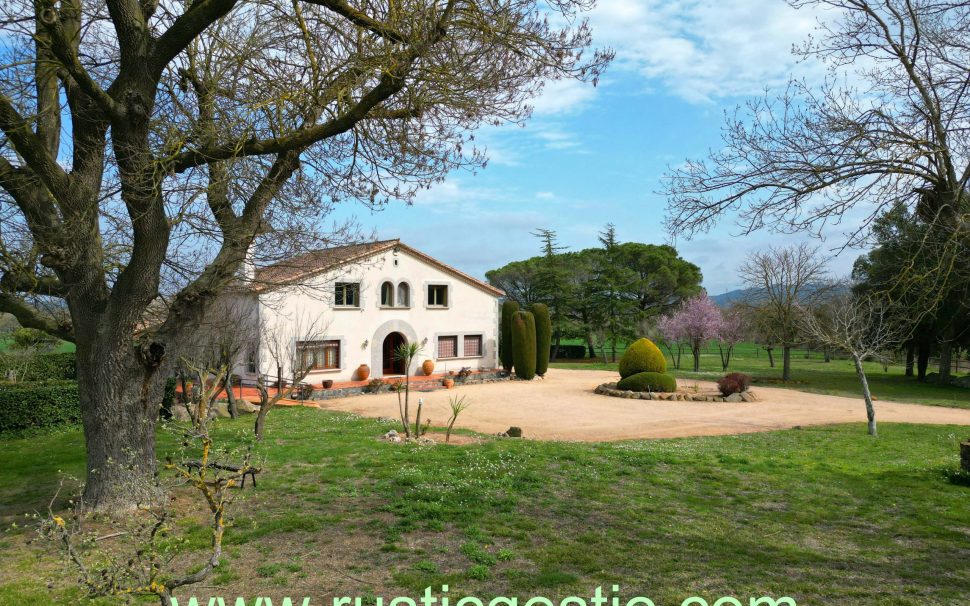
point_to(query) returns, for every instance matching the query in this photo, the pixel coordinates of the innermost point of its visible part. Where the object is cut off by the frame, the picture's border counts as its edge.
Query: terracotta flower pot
(427, 367)
(327, 384)
(363, 371)
(448, 383)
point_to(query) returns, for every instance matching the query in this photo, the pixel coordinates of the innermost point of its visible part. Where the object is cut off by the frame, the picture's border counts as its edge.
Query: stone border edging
(609, 389)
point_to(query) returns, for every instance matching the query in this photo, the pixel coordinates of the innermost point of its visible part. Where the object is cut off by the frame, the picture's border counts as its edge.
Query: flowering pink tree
(732, 332)
(698, 320)
(672, 337)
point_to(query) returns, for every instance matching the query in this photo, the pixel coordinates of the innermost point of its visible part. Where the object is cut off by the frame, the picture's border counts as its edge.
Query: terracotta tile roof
(316, 262)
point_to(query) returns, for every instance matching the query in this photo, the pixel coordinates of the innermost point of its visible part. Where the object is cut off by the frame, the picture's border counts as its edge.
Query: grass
(62, 346)
(810, 373)
(826, 515)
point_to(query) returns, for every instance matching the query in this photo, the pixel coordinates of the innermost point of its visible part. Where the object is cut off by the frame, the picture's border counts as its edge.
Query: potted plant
(427, 367)
(327, 384)
(448, 382)
(363, 371)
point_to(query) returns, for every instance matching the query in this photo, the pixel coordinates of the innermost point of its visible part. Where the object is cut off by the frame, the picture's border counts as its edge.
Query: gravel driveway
(563, 407)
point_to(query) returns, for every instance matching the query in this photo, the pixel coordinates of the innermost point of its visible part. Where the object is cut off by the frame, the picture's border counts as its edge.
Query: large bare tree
(889, 125)
(147, 145)
(783, 283)
(861, 326)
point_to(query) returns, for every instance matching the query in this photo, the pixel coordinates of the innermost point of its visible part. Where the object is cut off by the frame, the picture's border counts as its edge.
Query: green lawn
(62, 346)
(826, 515)
(810, 374)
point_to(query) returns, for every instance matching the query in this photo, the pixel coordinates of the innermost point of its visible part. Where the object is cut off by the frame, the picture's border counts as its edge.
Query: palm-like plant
(406, 353)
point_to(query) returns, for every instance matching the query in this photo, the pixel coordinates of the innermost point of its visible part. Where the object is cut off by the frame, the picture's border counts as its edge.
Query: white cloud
(701, 50)
(563, 97)
(545, 195)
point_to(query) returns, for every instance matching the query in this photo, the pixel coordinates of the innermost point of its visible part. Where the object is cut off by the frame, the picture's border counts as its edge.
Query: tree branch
(361, 19)
(187, 27)
(31, 318)
(32, 148)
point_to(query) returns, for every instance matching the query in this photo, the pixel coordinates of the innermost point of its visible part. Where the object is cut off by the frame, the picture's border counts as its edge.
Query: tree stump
(965, 455)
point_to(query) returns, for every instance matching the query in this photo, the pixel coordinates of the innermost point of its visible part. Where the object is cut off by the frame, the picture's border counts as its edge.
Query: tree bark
(696, 350)
(870, 411)
(910, 358)
(231, 397)
(786, 363)
(922, 360)
(946, 362)
(771, 356)
(119, 408)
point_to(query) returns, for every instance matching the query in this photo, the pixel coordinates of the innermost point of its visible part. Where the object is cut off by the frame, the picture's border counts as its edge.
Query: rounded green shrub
(524, 345)
(648, 381)
(543, 337)
(642, 356)
(509, 308)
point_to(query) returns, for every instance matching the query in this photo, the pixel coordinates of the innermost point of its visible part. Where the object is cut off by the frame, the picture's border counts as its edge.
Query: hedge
(38, 405)
(58, 366)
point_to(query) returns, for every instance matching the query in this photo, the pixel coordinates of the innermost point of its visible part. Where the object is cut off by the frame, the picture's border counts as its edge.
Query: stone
(963, 382)
(514, 432)
(220, 409)
(179, 413)
(734, 397)
(246, 407)
(748, 396)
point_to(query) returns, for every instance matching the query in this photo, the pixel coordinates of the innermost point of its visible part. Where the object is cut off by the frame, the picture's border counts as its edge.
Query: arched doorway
(390, 365)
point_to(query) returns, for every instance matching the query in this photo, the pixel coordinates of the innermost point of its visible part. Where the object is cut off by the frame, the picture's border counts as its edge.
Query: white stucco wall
(361, 331)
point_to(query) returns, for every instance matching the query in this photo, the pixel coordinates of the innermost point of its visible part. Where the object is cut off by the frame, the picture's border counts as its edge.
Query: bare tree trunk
(231, 397)
(786, 363)
(696, 350)
(910, 358)
(771, 356)
(264, 407)
(870, 411)
(119, 409)
(590, 345)
(946, 362)
(827, 353)
(922, 360)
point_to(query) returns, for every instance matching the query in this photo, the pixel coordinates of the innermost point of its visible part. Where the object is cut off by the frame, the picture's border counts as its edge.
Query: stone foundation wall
(609, 389)
(417, 385)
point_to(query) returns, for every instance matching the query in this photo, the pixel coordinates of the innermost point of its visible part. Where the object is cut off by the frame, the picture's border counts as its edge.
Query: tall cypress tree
(543, 337)
(509, 308)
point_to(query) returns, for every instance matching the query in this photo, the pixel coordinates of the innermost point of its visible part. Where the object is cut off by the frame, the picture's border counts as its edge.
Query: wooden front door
(391, 365)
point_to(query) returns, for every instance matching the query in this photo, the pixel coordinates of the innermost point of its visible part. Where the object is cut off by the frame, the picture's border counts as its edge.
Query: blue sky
(595, 155)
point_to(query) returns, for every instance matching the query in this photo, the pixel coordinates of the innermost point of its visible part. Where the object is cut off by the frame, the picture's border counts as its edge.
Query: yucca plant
(406, 353)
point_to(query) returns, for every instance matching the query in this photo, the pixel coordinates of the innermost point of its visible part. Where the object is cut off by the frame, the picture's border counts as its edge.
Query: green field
(810, 373)
(826, 515)
(62, 346)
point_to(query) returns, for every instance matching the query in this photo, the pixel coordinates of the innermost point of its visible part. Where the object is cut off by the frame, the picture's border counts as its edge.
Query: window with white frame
(319, 355)
(346, 294)
(448, 347)
(472, 346)
(437, 295)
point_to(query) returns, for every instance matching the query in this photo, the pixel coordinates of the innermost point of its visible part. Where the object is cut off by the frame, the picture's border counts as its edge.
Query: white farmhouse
(336, 309)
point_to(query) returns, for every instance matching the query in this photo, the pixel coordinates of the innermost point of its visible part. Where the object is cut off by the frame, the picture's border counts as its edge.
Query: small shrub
(648, 381)
(50, 366)
(734, 382)
(642, 356)
(375, 386)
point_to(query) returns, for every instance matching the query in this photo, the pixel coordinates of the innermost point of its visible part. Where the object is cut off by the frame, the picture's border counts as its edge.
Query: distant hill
(731, 297)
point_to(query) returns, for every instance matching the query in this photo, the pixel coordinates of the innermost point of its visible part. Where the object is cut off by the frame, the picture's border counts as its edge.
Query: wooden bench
(251, 472)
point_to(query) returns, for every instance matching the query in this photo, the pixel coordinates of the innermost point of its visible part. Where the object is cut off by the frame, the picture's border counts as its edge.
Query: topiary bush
(543, 337)
(509, 308)
(642, 356)
(38, 405)
(734, 382)
(648, 381)
(524, 345)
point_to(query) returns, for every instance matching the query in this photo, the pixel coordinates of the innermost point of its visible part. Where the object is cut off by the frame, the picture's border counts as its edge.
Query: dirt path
(563, 407)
